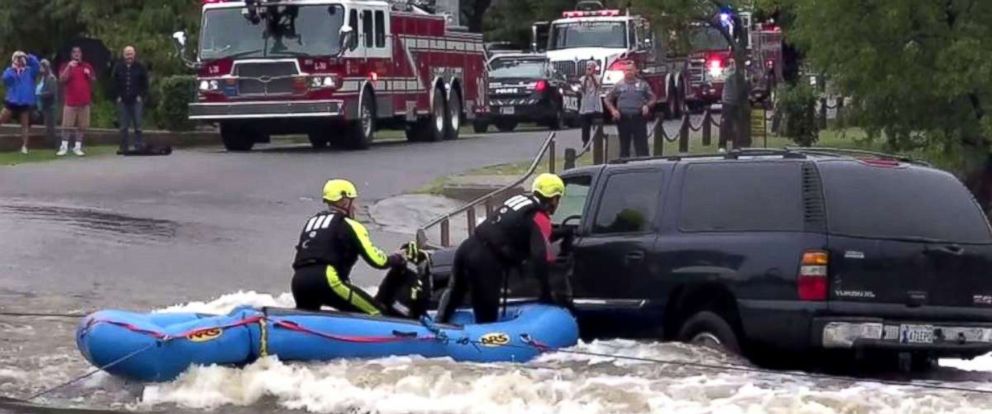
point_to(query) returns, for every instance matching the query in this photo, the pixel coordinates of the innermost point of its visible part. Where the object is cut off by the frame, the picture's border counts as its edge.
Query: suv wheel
(709, 329)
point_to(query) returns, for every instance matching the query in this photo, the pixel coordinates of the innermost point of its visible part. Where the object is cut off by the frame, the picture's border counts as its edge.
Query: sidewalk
(10, 137)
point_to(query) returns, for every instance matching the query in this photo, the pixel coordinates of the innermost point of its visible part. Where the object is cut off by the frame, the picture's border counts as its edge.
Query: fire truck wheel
(680, 106)
(435, 128)
(506, 125)
(454, 122)
(236, 137)
(361, 132)
(480, 127)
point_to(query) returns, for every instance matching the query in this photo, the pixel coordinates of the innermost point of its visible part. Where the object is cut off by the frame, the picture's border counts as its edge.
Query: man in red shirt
(78, 77)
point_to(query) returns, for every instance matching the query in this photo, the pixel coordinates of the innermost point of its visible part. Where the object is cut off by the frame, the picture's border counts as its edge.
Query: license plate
(506, 110)
(916, 334)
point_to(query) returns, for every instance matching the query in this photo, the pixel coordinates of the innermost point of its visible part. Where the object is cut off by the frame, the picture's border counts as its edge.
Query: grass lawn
(48, 154)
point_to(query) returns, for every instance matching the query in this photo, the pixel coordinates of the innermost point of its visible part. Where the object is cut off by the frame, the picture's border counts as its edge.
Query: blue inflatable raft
(160, 346)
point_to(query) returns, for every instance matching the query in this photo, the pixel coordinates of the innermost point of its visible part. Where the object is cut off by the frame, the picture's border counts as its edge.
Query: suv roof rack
(729, 155)
(830, 151)
(790, 152)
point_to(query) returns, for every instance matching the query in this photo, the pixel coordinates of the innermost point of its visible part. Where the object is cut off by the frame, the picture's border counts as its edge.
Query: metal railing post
(551, 157)
(444, 221)
(470, 217)
(598, 149)
(659, 138)
(445, 233)
(570, 158)
(707, 128)
(684, 134)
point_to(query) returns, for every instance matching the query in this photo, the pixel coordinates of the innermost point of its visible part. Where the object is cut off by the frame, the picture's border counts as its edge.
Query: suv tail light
(812, 281)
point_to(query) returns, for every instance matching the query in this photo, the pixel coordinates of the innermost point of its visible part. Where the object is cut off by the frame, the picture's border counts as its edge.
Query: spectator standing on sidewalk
(47, 90)
(631, 103)
(78, 77)
(590, 105)
(18, 80)
(131, 87)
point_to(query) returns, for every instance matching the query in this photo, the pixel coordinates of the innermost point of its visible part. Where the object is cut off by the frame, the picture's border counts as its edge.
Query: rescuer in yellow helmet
(329, 246)
(518, 231)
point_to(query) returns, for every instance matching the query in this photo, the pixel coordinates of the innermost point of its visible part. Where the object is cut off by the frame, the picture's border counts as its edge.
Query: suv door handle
(634, 257)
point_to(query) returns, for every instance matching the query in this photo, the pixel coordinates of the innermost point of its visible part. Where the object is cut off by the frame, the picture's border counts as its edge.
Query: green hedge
(175, 93)
(796, 105)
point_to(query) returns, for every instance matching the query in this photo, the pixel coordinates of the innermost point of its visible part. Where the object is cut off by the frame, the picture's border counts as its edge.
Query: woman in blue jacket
(18, 80)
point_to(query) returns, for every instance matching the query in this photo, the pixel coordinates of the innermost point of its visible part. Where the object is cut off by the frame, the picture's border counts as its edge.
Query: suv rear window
(909, 202)
(739, 196)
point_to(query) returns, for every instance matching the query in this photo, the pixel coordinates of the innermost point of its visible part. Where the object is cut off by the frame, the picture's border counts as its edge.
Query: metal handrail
(421, 232)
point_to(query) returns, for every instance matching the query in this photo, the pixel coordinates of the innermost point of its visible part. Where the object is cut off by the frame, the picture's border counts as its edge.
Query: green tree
(920, 72)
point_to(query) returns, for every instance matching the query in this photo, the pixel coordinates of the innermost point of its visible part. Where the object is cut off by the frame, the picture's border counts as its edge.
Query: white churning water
(555, 383)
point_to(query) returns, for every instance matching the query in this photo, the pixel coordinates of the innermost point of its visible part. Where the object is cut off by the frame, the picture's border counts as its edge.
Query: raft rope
(94, 371)
(440, 335)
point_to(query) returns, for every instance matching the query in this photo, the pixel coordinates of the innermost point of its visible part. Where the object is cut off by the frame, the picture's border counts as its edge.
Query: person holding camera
(631, 104)
(78, 77)
(20, 99)
(590, 105)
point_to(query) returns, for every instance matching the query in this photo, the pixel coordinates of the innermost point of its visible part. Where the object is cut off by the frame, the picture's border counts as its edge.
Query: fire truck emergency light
(595, 13)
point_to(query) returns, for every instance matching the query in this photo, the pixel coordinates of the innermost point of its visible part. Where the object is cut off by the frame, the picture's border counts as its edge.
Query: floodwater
(38, 353)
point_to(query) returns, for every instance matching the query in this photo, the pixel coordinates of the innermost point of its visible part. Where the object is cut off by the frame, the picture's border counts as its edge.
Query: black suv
(524, 87)
(777, 250)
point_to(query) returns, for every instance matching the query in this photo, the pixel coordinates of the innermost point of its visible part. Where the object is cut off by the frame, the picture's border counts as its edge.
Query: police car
(524, 87)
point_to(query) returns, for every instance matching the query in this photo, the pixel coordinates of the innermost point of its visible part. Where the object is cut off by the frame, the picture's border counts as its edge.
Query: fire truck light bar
(595, 13)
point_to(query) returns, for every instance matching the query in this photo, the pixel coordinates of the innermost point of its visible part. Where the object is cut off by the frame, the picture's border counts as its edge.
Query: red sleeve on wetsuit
(543, 223)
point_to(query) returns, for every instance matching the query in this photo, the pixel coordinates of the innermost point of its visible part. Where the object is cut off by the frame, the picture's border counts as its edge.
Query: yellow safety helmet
(335, 190)
(549, 186)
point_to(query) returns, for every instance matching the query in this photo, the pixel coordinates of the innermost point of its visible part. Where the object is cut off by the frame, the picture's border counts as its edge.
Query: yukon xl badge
(982, 299)
(854, 254)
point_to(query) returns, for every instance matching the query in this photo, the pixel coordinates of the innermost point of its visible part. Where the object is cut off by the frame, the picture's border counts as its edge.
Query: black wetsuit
(520, 230)
(329, 247)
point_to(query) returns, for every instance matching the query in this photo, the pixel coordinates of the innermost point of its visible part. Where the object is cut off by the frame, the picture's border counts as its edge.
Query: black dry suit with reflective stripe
(329, 246)
(519, 231)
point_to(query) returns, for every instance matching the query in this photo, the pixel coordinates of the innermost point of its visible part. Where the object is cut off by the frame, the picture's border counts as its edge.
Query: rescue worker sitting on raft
(329, 246)
(519, 231)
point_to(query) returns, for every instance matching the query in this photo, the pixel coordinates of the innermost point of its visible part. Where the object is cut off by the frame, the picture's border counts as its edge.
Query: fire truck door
(375, 32)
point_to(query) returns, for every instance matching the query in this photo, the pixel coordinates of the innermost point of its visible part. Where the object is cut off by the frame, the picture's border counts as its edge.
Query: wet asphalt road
(142, 232)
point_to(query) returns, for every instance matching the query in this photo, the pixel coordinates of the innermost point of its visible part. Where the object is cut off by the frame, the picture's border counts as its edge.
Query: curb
(10, 138)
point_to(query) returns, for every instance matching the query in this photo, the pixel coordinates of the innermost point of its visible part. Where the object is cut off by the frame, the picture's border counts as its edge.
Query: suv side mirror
(179, 40)
(347, 36)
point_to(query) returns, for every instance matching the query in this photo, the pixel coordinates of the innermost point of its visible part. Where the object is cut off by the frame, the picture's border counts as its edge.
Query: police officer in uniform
(329, 246)
(631, 104)
(520, 230)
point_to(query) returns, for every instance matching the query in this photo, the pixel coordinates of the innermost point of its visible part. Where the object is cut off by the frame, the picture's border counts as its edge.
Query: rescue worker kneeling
(520, 230)
(329, 246)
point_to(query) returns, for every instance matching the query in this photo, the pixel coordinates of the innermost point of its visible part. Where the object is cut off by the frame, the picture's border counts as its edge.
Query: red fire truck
(610, 37)
(336, 70)
(710, 58)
